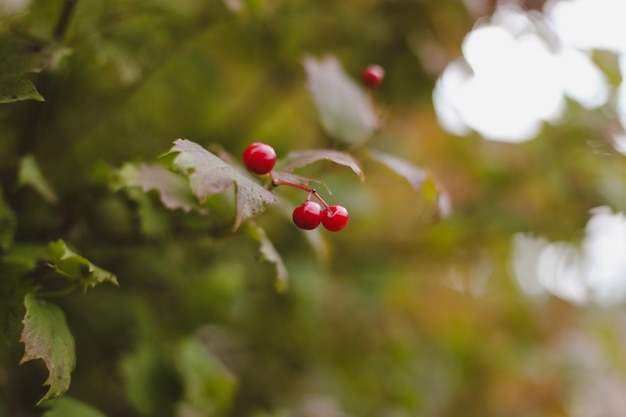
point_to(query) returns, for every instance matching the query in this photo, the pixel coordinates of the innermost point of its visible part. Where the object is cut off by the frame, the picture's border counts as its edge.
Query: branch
(64, 19)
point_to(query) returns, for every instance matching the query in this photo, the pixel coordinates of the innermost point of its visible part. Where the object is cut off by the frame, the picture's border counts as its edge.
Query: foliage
(67, 406)
(204, 299)
(23, 56)
(46, 336)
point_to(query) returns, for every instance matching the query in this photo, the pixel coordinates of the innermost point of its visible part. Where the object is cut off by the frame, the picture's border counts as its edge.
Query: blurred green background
(403, 313)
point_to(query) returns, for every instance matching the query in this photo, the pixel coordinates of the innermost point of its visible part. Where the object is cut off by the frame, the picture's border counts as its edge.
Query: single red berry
(308, 215)
(373, 75)
(335, 218)
(259, 158)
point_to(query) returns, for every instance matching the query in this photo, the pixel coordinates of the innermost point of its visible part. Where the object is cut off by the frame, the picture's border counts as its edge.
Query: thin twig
(30, 133)
(64, 19)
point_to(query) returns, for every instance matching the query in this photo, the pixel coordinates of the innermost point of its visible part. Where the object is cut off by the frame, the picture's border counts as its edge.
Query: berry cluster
(260, 159)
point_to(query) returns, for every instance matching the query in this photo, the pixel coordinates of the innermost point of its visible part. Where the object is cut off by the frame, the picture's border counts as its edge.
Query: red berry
(373, 75)
(259, 158)
(335, 218)
(308, 215)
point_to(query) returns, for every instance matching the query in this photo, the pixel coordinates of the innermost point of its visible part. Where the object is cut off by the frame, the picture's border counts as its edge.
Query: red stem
(310, 190)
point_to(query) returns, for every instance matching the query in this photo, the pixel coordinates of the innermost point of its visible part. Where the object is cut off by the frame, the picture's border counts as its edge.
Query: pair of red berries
(310, 214)
(260, 159)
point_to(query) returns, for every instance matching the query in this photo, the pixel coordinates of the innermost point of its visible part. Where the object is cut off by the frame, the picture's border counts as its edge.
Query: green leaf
(138, 372)
(413, 174)
(27, 254)
(70, 407)
(172, 188)
(47, 337)
(296, 179)
(269, 254)
(15, 88)
(30, 174)
(151, 384)
(298, 159)
(75, 267)
(345, 109)
(420, 180)
(13, 288)
(8, 223)
(209, 175)
(153, 222)
(21, 56)
(208, 386)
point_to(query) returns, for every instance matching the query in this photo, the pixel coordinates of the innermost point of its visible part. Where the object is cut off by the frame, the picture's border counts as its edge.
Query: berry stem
(319, 197)
(310, 190)
(276, 183)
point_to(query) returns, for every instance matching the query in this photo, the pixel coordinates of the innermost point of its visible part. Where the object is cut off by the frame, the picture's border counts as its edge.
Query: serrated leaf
(13, 287)
(250, 199)
(70, 407)
(420, 180)
(8, 223)
(173, 189)
(30, 175)
(47, 337)
(209, 175)
(16, 88)
(346, 111)
(75, 267)
(298, 159)
(208, 386)
(296, 179)
(269, 254)
(21, 56)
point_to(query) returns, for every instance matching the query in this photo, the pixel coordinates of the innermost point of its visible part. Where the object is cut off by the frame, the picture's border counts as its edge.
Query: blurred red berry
(373, 75)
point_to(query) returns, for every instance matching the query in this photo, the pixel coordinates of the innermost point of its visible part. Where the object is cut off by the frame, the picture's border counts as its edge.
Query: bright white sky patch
(594, 272)
(512, 90)
(509, 82)
(593, 92)
(590, 24)
(605, 254)
(445, 97)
